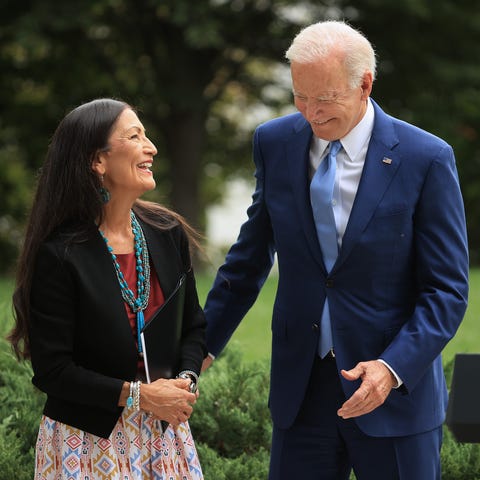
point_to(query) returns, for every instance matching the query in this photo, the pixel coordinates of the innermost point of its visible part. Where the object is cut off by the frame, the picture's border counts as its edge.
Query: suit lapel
(381, 164)
(298, 150)
(376, 177)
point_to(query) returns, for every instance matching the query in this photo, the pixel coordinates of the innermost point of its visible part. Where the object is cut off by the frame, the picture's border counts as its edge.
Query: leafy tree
(428, 75)
(198, 71)
(172, 59)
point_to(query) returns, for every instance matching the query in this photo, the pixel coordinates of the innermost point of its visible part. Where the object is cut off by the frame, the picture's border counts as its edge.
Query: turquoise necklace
(138, 304)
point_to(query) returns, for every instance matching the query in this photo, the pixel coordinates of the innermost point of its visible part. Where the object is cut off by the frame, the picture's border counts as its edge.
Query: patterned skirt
(135, 450)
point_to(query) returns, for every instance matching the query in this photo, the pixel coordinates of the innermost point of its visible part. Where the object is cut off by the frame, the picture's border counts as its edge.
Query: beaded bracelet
(136, 396)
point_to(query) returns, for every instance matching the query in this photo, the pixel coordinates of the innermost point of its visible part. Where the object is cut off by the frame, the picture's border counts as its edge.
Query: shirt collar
(354, 140)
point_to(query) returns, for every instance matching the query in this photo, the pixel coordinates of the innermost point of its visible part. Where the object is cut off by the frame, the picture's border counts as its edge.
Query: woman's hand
(169, 400)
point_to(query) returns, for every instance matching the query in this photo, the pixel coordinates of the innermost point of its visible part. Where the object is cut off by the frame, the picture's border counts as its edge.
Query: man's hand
(377, 382)
(207, 361)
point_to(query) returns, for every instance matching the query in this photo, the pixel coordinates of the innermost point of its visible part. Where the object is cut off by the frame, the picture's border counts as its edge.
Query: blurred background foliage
(203, 73)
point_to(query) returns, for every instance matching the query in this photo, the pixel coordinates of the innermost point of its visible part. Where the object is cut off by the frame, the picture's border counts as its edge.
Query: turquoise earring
(104, 193)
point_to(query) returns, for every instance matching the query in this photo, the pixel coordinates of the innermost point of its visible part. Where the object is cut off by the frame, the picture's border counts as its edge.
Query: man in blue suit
(357, 331)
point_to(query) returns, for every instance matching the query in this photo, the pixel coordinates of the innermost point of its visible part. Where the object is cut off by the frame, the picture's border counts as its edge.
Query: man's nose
(312, 109)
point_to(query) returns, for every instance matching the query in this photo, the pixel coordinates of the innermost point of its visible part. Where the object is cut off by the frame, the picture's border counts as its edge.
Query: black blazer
(82, 348)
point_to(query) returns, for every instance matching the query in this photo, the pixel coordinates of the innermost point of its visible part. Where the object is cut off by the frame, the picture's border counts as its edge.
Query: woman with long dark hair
(96, 264)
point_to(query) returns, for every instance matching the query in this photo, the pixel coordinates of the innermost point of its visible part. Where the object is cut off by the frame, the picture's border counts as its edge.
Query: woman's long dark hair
(68, 194)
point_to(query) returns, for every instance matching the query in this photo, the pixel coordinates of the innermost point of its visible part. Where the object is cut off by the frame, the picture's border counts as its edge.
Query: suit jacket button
(315, 327)
(329, 282)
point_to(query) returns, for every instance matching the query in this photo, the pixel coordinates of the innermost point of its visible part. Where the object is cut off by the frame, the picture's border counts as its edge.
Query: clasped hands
(169, 400)
(377, 382)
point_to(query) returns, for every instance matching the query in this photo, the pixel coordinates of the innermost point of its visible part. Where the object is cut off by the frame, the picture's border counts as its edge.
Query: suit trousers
(320, 445)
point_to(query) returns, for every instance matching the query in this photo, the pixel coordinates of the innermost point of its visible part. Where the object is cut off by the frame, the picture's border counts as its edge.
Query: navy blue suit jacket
(398, 290)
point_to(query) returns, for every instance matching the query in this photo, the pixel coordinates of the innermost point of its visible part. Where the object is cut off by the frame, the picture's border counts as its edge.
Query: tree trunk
(185, 138)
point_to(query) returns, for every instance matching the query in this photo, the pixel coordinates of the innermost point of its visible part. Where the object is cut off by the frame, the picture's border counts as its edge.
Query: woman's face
(126, 165)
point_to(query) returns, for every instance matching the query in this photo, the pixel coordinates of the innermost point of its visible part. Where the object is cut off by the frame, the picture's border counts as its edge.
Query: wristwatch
(192, 376)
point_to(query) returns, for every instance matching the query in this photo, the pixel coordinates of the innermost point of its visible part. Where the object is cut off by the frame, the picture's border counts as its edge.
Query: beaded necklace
(143, 276)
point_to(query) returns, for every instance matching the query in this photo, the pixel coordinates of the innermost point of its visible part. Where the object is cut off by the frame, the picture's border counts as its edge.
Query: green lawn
(467, 339)
(253, 336)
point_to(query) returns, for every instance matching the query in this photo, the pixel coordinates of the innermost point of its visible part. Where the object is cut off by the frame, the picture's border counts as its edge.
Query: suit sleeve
(441, 273)
(247, 265)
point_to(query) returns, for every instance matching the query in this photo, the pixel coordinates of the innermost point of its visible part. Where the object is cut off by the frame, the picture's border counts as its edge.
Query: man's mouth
(318, 122)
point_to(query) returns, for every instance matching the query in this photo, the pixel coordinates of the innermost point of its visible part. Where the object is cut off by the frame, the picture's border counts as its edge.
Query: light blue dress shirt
(350, 161)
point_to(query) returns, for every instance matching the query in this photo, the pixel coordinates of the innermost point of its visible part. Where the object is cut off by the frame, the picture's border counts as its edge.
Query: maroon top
(127, 262)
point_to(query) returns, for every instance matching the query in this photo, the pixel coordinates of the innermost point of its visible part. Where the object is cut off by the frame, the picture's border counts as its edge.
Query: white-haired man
(359, 321)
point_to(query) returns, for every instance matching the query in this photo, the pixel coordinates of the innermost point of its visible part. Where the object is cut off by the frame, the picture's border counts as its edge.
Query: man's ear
(98, 164)
(367, 84)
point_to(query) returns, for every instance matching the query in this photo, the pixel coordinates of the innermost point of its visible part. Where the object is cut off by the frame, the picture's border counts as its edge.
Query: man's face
(323, 96)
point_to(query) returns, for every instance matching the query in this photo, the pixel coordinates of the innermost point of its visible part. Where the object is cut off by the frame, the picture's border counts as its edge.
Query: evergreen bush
(231, 422)
(20, 412)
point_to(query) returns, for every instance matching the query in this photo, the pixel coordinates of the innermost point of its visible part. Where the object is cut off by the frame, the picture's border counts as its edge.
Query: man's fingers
(363, 401)
(353, 374)
(206, 362)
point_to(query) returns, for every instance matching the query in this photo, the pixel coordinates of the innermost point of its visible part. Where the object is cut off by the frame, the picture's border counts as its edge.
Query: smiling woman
(97, 263)
(124, 165)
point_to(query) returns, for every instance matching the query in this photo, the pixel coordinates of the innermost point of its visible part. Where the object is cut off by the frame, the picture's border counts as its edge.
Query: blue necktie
(321, 196)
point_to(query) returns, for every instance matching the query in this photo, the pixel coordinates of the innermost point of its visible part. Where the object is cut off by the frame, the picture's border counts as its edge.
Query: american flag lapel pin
(387, 160)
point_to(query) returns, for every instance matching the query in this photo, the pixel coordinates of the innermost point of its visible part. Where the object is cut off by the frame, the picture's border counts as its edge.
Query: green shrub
(231, 422)
(13, 466)
(460, 461)
(20, 412)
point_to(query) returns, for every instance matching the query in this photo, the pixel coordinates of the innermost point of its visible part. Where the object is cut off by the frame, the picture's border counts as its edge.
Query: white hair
(319, 40)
